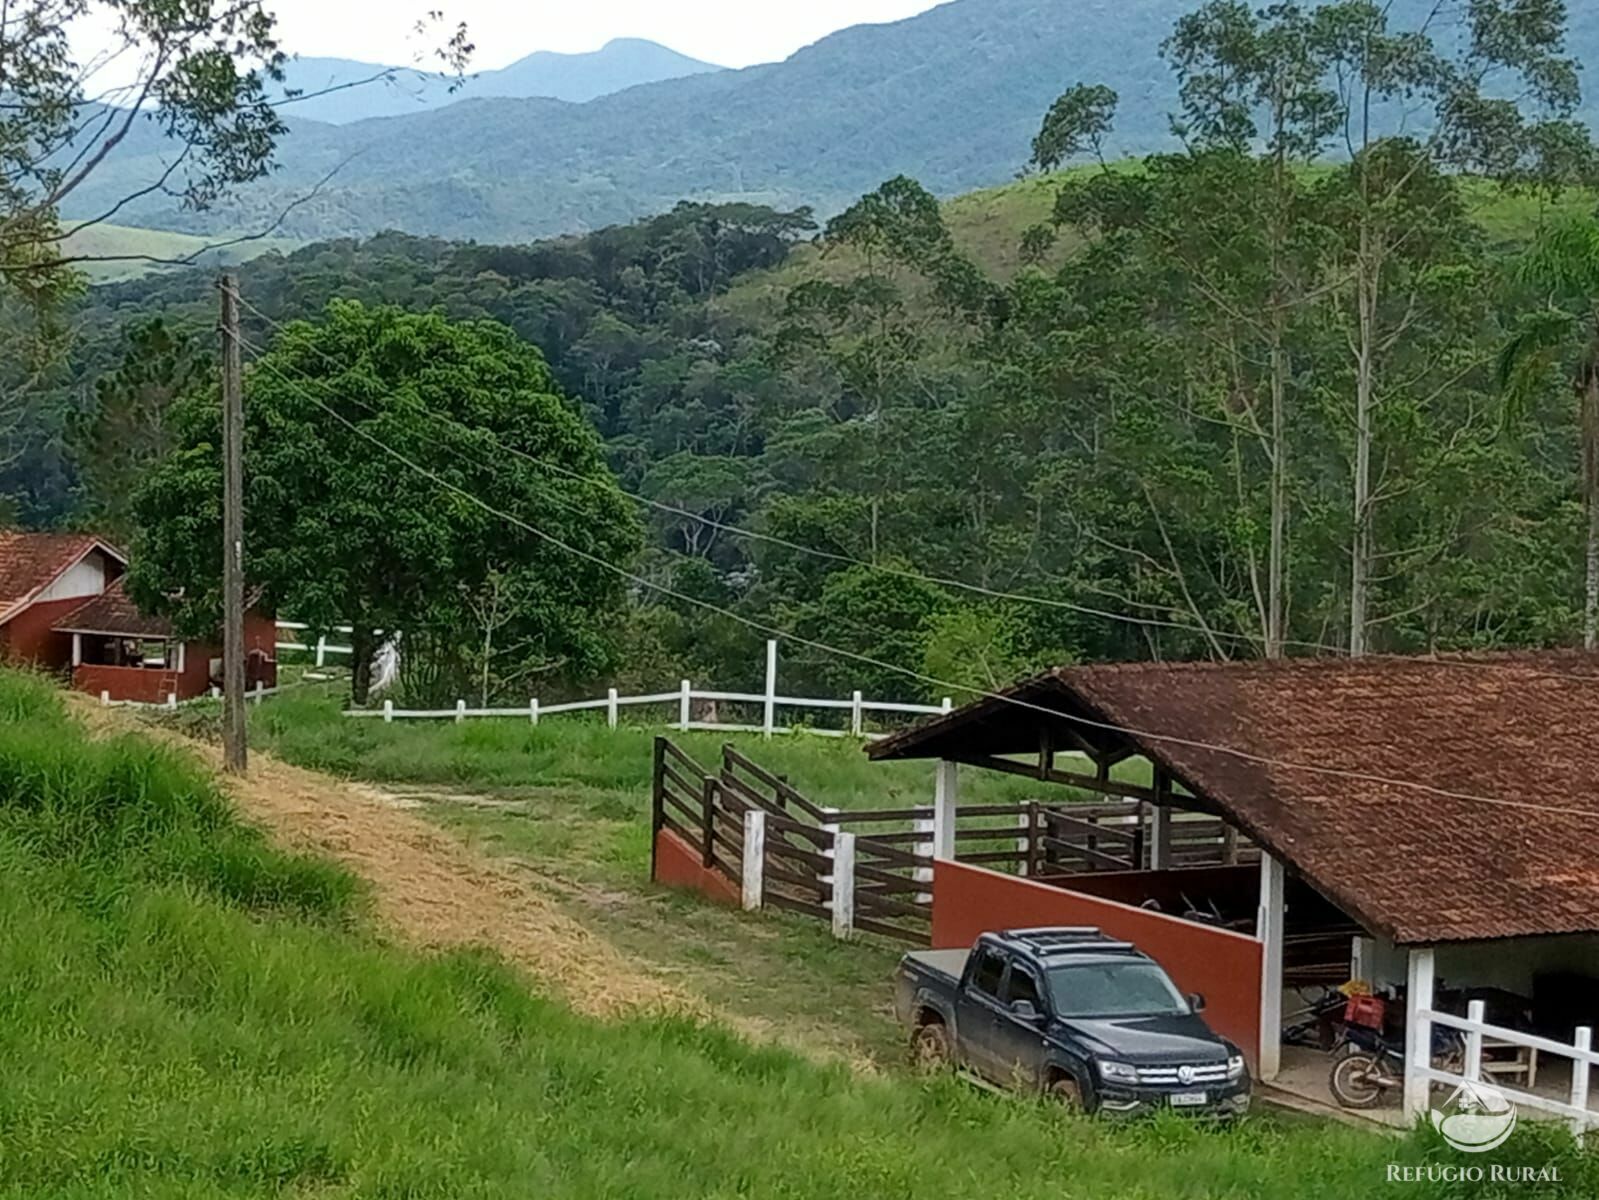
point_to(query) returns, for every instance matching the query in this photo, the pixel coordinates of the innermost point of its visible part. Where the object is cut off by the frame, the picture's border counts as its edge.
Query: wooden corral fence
(871, 869)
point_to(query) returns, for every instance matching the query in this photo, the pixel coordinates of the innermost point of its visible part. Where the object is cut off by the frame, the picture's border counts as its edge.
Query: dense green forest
(1251, 398)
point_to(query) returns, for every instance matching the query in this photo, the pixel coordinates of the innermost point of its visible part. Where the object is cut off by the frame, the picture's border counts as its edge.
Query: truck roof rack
(1061, 939)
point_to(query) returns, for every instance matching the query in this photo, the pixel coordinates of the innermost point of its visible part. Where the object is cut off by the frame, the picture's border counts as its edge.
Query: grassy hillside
(132, 249)
(188, 1012)
(988, 225)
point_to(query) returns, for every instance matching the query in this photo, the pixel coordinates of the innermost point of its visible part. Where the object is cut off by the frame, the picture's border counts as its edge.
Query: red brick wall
(1224, 967)
(677, 864)
(28, 637)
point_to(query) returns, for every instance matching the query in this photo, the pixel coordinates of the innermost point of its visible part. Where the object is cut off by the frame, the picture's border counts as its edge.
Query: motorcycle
(1374, 1065)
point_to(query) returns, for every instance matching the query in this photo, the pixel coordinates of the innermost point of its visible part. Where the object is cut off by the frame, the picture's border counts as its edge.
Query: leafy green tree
(126, 429)
(884, 618)
(341, 530)
(1250, 78)
(1499, 94)
(1076, 123)
(975, 649)
(702, 489)
(1563, 338)
(194, 79)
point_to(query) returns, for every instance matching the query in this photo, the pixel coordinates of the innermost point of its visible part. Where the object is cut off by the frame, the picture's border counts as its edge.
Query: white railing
(321, 649)
(1579, 1052)
(254, 695)
(769, 701)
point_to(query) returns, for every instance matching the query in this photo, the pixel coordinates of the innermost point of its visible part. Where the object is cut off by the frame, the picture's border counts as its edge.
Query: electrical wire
(771, 631)
(919, 576)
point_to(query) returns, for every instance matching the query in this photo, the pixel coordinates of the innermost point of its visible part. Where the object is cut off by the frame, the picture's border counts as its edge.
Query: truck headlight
(1235, 1066)
(1118, 1072)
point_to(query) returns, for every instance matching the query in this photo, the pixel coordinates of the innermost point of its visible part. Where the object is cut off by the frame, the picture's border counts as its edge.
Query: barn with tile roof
(1434, 813)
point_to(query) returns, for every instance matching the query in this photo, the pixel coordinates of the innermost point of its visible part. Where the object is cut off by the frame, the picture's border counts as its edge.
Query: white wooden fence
(321, 649)
(1579, 1052)
(770, 701)
(254, 695)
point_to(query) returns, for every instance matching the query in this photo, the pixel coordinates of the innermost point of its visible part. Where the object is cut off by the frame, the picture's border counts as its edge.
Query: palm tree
(1564, 337)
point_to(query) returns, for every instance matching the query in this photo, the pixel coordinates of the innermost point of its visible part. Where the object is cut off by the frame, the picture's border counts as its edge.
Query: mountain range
(952, 97)
(337, 91)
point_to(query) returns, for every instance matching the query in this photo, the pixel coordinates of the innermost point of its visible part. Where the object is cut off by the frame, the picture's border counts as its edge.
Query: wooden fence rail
(832, 865)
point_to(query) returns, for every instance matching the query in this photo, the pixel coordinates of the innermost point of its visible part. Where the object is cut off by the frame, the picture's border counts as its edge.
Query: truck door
(1018, 1040)
(978, 1010)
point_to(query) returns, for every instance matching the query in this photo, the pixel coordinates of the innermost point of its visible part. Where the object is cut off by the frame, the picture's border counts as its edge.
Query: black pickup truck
(1073, 1014)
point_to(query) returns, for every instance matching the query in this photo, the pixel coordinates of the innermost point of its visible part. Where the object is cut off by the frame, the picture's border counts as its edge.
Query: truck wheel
(1067, 1092)
(930, 1049)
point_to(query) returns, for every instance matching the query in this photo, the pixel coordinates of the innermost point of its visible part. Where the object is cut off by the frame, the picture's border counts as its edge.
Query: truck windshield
(1114, 989)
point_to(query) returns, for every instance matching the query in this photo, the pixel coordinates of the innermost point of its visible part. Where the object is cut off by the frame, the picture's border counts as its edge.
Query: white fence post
(105, 699)
(1583, 1040)
(1476, 1013)
(460, 711)
(754, 858)
(1269, 919)
(771, 687)
(172, 700)
(388, 712)
(945, 790)
(949, 705)
(260, 690)
(610, 707)
(856, 725)
(321, 651)
(684, 704)
(843, 884)
(1418, 1033)
(533, 711)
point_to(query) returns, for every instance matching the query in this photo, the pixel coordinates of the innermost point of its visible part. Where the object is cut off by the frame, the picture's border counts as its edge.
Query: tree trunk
(363, 649)
(1360, 552)
(1590, 487)
(1277, 552)
(1276, 601)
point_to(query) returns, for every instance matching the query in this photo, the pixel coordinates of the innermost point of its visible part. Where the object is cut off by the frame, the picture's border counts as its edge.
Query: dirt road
(428, 887)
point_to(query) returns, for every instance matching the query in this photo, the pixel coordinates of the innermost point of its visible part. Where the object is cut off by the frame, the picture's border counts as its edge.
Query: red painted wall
(1224, 967)
(144, 685)
(28, 637)
(677, 864)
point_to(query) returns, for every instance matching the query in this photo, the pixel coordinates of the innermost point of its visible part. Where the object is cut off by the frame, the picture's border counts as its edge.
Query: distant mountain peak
(620, 64)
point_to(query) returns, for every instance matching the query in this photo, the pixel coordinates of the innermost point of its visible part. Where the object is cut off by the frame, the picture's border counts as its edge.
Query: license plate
(1188, 1099)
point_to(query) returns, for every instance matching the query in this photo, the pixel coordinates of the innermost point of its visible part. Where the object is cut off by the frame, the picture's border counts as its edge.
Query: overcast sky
(734, 33)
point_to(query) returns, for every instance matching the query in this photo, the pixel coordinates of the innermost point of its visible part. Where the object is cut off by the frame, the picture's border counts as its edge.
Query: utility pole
(234, 753)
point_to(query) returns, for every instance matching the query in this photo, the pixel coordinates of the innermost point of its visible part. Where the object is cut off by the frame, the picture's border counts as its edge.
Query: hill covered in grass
(112, 253)
(988, 225)
(190, 1012)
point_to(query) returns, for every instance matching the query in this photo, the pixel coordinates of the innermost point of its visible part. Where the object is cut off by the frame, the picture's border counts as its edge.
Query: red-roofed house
(43, 577)
(62, 605)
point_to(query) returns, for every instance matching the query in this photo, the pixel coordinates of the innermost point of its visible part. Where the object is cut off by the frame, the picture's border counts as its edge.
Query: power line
(771, 631)
(904, 573)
